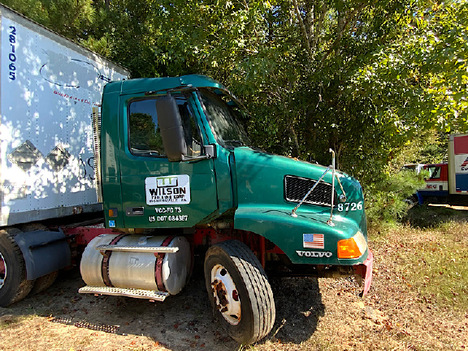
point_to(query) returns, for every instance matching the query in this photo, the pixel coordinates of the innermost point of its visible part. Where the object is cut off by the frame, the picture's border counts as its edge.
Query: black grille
(295, 188)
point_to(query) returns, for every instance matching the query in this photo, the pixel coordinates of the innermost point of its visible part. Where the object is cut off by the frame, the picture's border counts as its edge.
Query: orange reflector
(348, 248)
(112, 212)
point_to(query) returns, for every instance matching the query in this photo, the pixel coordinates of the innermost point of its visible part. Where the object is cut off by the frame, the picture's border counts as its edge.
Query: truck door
(158, 193)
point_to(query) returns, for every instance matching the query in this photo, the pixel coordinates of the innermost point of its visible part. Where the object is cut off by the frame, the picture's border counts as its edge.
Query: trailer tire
(44, 282)
(239, 291)
(13, 283)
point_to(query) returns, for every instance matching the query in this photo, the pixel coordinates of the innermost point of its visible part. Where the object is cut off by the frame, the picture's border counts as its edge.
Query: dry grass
(418, 300)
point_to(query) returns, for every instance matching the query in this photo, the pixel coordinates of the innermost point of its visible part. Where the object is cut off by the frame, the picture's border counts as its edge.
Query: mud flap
(364, 270)
(44, 252)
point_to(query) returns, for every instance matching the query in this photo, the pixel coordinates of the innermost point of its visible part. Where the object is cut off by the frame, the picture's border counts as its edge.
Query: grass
(9, 320)
(441, 274)
(437, 265)
(432, 254)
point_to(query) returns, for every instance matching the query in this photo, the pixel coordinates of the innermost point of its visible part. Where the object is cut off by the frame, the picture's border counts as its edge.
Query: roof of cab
(140, 85)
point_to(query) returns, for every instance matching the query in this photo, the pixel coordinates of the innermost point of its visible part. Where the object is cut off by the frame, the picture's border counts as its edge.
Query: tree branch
(341, 31)
(303, 29)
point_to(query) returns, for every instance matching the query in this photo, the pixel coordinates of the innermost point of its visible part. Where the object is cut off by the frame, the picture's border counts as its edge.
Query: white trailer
(458, 165)
(48, 87)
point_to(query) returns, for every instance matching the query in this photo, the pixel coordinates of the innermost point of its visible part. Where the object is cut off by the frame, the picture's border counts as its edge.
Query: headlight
(353, 247)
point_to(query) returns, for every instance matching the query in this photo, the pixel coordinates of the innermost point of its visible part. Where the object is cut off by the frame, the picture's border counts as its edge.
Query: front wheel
(239, 291)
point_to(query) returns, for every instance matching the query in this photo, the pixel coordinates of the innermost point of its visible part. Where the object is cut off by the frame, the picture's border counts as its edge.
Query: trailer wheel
(13, 284)
(239, 291)
(44, 282)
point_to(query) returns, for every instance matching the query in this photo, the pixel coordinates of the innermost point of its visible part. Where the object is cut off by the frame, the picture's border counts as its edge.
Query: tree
(364, 77)
(71, 18)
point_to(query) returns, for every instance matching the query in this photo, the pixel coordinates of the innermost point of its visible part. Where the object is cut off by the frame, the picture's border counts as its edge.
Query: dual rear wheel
(14, 285)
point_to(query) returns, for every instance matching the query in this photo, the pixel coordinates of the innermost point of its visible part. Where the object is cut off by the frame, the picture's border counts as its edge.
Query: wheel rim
(3, 271)
(227, 299)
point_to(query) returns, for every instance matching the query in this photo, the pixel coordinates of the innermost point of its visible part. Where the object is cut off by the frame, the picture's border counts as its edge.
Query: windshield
(224, 114)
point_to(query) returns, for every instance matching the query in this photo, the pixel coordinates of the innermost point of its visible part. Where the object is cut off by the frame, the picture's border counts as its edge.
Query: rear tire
(239, 291)
(44, 282)
(13, 284)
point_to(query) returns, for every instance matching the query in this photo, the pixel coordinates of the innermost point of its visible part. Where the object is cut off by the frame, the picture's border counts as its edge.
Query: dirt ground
(312, 314)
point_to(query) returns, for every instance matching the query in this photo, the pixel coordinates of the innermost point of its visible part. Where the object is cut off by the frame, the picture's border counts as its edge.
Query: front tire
(13, 284)
(239, 291)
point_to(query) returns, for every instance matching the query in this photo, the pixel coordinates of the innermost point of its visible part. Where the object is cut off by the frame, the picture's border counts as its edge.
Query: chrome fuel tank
(158, 263)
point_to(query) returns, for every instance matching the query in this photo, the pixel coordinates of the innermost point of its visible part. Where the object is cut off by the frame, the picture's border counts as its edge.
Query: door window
(144, 138)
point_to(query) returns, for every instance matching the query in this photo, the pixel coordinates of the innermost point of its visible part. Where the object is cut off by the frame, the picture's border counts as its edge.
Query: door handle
(135, 211)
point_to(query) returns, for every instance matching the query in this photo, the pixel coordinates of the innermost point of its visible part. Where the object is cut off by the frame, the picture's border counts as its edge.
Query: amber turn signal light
(353, 247)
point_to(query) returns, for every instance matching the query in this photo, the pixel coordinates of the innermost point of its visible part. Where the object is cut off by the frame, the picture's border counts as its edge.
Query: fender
(44, 252)
(276, 224)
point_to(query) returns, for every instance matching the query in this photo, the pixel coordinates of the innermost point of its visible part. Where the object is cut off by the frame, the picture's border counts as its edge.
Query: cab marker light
(353, 247)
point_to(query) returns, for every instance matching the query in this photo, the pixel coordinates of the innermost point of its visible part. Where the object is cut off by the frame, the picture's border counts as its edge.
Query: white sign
(168, 190)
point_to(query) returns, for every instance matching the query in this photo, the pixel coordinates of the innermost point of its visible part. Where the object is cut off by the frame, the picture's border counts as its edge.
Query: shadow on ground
(425, 216)
(298, 308)
(182, 322)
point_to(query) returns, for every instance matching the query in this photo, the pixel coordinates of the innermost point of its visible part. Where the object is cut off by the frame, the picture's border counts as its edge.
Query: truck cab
(180, 181)
(437, 185)
(199, 169)
(180, 178)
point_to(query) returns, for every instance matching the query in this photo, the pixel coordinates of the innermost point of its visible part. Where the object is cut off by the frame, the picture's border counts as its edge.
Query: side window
(435, 172)
(191, 131)
(144, 133)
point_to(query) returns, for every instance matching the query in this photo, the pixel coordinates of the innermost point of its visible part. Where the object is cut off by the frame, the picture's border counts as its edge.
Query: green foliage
(71, 18)
(374, 80)
(389, 198)
(426, 147)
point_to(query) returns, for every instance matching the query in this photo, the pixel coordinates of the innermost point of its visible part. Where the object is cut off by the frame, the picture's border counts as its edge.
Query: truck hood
(263, 208)
(260, 178)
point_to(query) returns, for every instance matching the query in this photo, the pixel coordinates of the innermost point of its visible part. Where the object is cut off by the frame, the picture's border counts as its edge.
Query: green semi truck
(175, 179)
(177, 168)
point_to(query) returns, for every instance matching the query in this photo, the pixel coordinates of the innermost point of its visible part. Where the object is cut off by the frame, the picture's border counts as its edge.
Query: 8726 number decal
(12, 54)
(350, 206)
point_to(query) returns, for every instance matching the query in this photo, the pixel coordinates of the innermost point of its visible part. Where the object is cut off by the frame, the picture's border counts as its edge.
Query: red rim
(2, 271)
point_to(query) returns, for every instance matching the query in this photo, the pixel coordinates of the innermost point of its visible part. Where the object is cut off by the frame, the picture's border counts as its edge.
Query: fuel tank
(158, 263)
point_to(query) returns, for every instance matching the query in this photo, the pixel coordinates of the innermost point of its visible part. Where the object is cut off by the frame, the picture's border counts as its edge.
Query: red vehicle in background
(437, 185)
(448, 182)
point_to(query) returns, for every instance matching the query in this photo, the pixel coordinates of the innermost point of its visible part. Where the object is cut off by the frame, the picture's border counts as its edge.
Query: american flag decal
(313, 241)
(465, 163)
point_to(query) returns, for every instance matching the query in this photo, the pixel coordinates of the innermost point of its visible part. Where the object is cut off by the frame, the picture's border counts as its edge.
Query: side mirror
(170, 125)
(210, 151)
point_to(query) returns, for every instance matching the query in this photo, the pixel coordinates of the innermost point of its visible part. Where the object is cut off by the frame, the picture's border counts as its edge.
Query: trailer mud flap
(364, 270)
(44, 252)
